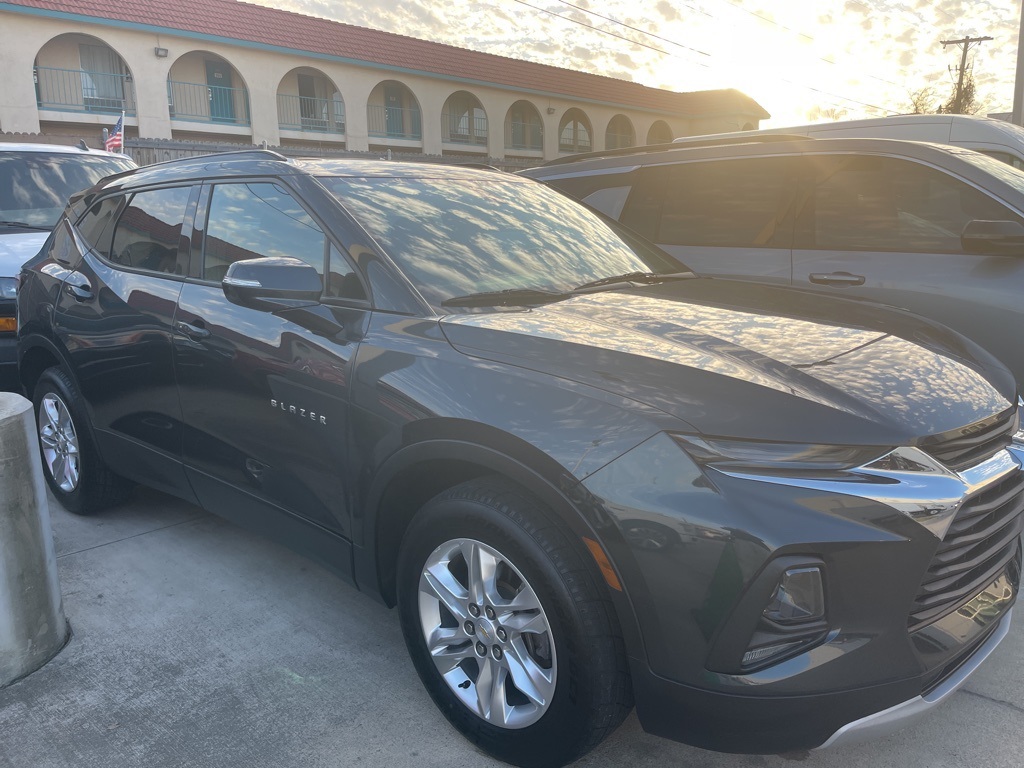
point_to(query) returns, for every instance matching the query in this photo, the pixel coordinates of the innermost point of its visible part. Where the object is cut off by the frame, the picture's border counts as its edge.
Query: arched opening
(574, 132)
(620, 133)
(203, 87)
(308, 101)
(463, 120)
(523, 128)
(748, 127)
(392, 112)
(660, 133)
(81, 73)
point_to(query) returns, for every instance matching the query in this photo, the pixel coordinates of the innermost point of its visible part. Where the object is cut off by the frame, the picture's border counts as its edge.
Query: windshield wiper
(24, 225)
(631, 278)
(510, 297)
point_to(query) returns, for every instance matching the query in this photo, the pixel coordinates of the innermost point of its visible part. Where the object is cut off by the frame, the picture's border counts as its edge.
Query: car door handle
(194, 332)
(836, 278)
(78, 292)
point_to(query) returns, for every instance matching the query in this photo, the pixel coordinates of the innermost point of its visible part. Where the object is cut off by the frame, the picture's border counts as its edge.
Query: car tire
(76, 475)
(525, 657)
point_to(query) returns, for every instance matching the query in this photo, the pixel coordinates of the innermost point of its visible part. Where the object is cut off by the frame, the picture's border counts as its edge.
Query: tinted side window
(740, 203)
(147, 234)
(342, 280)
(96, 227)
(885, 204)
(255, 220)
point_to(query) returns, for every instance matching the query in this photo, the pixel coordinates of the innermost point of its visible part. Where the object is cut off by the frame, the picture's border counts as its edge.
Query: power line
(770, 20)
(875, 9)
(613, 34)
(699, 63)
(635, 29)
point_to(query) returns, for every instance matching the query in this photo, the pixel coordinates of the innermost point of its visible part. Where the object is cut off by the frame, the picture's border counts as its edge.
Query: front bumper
(901, 715)
(773, 725)
(902, 633)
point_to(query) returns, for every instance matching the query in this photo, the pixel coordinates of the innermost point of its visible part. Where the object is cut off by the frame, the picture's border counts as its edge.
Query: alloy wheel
(487, 633)
(60, 442)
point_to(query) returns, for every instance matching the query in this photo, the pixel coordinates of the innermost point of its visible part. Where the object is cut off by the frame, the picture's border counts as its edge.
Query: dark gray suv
(934, 229)
(584, 475)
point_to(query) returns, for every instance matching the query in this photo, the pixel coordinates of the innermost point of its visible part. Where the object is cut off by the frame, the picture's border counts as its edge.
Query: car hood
(744, 360)
(18, 247)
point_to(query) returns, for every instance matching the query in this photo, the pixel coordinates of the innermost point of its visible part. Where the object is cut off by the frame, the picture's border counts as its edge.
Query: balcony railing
(581, 144)
(202, 103)
(464, 128)
(619, 140)
(303, 113)
(76, 90)
(524, 136)
(394, 122)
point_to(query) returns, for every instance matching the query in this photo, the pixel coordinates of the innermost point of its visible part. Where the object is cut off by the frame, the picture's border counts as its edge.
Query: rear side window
(887, 204)
(148, 233)
(97, 225)
(255, 220)
(739, 203)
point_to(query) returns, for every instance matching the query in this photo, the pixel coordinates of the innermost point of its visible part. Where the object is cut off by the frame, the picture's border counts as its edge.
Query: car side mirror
(272, 283)
(994, 238)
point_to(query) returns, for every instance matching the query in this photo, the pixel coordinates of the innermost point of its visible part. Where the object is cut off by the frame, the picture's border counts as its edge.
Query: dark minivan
(585, 476)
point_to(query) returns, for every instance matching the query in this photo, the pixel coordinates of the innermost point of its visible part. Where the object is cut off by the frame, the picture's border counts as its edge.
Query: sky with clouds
(803, 60)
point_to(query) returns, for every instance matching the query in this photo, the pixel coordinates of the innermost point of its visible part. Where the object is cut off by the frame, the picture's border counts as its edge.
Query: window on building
(103, 77)
(620, 133)
(574, 132)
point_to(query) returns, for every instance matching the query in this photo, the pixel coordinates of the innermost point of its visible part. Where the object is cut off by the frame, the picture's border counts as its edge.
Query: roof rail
(683, 143)
(238, 154)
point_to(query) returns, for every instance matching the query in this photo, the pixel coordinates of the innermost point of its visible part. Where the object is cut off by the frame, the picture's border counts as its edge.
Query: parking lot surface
(197, 643)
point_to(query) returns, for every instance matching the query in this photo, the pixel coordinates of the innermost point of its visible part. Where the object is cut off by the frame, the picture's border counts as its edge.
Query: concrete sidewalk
(199, 644)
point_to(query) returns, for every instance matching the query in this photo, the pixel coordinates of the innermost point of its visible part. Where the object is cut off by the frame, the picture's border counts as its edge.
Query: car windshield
(35, 186)
(456, 237)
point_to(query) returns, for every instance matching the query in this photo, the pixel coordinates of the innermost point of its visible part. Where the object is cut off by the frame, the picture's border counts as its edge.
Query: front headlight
(726, 453)
(8, 287)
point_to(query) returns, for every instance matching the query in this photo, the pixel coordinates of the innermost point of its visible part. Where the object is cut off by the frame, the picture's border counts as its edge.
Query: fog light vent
(799, 598)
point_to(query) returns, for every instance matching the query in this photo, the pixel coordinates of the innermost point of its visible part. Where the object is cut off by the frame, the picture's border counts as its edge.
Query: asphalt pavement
(197, 643)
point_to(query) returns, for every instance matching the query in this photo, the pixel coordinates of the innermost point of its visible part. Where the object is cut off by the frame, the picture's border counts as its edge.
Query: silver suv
(932, 229)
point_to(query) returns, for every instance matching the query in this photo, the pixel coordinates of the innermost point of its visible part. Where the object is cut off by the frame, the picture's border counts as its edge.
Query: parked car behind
(584, 475)
(997, 138)
(36, 181)
(936, 230)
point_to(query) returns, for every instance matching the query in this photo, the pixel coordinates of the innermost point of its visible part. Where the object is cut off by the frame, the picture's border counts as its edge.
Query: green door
(222, 95)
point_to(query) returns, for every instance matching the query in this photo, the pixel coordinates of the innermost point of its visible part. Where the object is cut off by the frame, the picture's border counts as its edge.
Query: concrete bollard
(32, 624)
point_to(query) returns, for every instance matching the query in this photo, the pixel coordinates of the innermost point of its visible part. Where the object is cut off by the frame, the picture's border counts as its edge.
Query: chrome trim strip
(895, 718)
(237, 281)
(908, 480)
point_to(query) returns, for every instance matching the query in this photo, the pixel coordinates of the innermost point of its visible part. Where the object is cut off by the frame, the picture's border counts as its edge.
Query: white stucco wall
(266, 73)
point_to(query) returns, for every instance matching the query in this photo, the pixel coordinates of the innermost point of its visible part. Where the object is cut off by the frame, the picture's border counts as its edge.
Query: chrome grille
(981, 542)
(962, 448)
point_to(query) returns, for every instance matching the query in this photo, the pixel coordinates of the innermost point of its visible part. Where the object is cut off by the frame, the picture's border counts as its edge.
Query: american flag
(116, 138)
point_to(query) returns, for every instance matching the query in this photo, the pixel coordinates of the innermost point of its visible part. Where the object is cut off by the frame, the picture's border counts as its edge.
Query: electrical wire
(613, 34)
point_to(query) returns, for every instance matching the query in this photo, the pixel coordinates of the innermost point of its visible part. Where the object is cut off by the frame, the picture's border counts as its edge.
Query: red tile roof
(284, 29)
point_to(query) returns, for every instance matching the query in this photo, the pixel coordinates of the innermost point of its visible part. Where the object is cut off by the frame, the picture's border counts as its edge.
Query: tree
(826, 113)
(962, 103)
(924, 101)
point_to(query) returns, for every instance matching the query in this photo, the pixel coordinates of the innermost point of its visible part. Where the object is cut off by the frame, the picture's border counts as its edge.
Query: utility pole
(1017, 117)
(965, 44)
